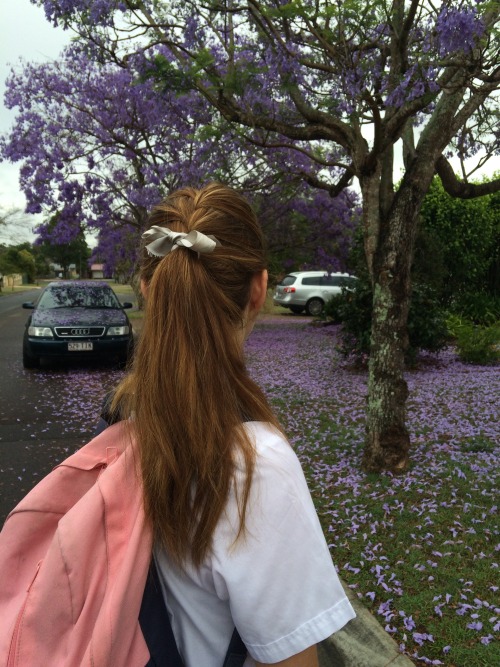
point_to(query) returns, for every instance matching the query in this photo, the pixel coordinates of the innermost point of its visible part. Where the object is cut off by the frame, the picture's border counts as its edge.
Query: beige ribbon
(163, 240)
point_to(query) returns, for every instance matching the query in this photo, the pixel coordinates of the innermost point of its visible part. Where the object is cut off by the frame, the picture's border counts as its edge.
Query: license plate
(80, 347)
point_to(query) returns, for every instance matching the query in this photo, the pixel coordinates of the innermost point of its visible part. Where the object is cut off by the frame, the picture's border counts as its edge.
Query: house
(58, 271)
(97, 270)
(11, 280)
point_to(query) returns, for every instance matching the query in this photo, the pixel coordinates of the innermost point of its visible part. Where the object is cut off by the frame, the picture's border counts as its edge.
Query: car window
(313, 280)
(76, 296)
(334, 281)
(288, 280)
(339, 281)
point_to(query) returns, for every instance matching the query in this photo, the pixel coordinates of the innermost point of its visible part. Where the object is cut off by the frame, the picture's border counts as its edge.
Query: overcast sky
(24, 34)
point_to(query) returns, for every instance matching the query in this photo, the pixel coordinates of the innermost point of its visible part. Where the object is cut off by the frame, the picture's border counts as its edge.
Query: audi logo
(80, 332)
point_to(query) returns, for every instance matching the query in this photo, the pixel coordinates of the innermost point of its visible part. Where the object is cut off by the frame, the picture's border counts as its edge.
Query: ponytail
(189, 391)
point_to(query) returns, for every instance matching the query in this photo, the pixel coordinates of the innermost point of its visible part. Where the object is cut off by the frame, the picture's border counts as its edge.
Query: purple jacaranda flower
(409, 623)
(477, 625)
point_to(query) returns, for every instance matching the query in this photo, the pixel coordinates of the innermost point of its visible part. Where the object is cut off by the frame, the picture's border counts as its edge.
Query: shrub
(427, 328)
(460, 237)
(480, 308)
(332, 312)
(352, 308)
(476, 343)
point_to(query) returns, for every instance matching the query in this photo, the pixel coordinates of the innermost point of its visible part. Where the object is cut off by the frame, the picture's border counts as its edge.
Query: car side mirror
(28, 304)
(127, 304)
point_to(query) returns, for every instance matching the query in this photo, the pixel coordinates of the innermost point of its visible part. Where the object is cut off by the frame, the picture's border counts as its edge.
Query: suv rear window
(288, 280)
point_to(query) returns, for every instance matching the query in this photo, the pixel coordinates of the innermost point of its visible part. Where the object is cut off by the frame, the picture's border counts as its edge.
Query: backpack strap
(155, 624)
(236, 652)
(157, 630)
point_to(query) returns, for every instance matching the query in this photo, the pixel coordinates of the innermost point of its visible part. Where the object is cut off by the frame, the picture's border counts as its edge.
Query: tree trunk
(387, 439)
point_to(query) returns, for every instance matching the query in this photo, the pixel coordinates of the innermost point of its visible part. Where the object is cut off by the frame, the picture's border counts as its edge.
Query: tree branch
(461, 189)
(333, 190)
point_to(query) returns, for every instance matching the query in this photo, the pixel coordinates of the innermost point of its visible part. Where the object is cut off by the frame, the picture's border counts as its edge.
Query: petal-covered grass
(420, 550)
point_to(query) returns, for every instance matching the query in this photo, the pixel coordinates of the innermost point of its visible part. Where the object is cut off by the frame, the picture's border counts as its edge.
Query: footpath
(361, 643)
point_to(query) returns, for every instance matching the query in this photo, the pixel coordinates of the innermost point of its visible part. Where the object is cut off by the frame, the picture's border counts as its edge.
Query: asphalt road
(45, 414)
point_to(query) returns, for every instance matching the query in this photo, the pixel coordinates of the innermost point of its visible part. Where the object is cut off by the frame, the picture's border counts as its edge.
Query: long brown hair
(189, 391)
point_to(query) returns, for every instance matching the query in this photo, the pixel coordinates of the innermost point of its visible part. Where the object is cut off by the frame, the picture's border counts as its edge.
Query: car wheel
(121, 363)
(314, 307)
(296, 309)
(29, 360)
(125, 360)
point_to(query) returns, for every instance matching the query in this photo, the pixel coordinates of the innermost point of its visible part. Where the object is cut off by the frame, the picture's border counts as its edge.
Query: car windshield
(78, 296)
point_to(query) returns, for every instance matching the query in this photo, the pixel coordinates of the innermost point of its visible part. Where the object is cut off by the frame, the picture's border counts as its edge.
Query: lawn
(420, 550)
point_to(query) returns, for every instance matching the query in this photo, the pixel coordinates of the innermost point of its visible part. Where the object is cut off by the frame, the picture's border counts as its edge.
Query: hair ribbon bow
(163, 240)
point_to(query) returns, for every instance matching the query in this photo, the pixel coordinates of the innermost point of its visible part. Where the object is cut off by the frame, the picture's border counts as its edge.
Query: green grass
(121, 290)
(17, 289)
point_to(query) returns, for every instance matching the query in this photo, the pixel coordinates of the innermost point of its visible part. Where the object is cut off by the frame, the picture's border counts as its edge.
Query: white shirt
(276, 584)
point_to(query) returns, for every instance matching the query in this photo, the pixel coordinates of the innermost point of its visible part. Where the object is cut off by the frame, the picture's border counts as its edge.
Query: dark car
(77, 318)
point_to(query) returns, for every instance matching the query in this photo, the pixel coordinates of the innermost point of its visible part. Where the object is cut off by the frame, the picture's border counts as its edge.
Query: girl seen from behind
(237, 540)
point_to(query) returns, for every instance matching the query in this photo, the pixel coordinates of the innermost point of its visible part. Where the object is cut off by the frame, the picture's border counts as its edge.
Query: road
(45, 414)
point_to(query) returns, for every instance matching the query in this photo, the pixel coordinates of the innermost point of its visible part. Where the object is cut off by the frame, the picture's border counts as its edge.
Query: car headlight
(118, 331)
(40, 332)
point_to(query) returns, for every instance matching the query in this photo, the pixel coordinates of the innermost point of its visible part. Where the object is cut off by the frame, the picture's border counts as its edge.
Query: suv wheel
(314, 307)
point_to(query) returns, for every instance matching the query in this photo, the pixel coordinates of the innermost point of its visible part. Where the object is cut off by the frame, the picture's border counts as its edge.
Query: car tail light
(289, 290)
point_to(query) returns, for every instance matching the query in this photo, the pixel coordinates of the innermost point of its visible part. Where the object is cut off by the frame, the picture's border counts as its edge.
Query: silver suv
(310, 290)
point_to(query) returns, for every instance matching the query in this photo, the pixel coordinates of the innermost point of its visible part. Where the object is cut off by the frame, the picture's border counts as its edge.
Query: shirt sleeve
(282, 587)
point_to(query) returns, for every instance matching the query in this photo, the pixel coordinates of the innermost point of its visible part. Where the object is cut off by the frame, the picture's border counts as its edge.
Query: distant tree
(8, 263)
(15, 225)
(64, 253)
(309, 231)
(17, 259)
(117, 249)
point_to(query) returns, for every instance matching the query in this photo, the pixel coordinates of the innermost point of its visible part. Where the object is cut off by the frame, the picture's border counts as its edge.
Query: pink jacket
(74, 556)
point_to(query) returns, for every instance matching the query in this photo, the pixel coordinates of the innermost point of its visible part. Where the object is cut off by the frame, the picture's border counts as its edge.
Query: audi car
(77, 319)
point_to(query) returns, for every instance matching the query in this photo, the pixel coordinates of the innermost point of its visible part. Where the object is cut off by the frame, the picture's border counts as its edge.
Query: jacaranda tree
(102, 141)
(346, 85)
